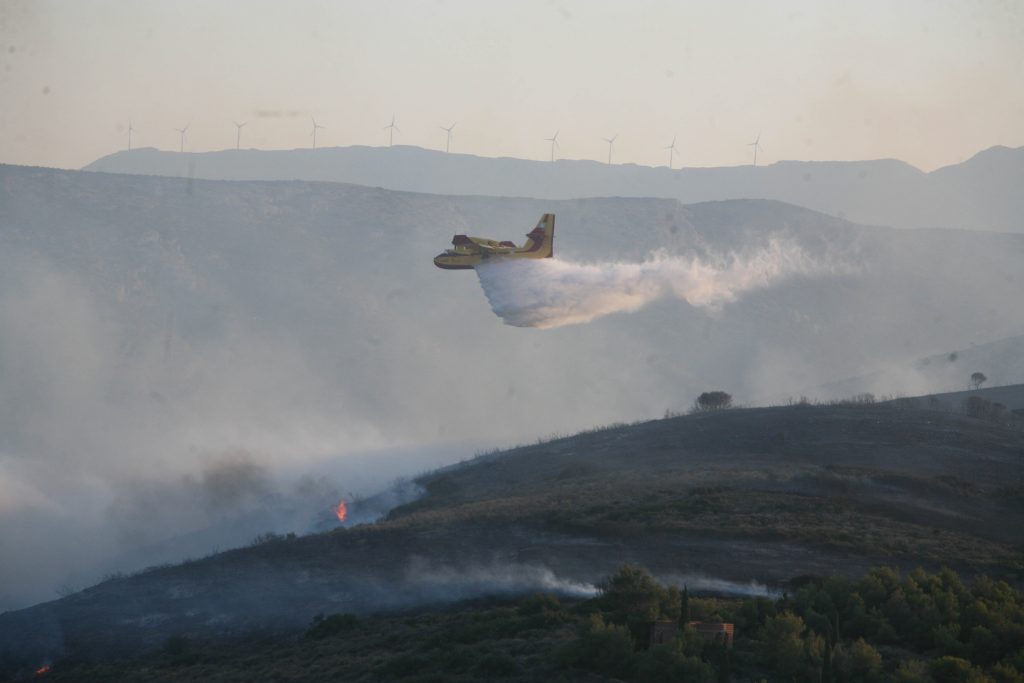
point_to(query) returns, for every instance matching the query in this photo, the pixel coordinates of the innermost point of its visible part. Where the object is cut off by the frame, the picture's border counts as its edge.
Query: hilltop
(980, 193)
(1001, 358)
(762, 494)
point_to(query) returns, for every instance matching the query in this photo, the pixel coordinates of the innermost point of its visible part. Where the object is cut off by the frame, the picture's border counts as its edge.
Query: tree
(977, 379)
(603, 648)
(633, 595)
(956, 670)
(712, 400)
(912, 671)
(863, 663)
(782, 647)
(684, 608)
(826, 665)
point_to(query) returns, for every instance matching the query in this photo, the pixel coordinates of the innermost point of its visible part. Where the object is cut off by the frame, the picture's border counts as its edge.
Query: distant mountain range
(981, 193)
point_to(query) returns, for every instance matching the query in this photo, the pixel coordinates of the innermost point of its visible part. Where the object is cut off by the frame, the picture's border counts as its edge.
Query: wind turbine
(756, 144)
(554, 143)
(391, 128)
(130, 129)
(182, 131)
(671, 149)
(315, 127)
(448, 130)
(610, 141)
(238, 135)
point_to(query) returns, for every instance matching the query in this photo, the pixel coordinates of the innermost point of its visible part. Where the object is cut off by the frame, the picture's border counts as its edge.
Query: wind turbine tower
(554, 143)
(130, 129)
(611, 142)
(756, 144)
(238, 133)
(316, 126)
(671, 149)
(181, 148)
(391, 128)
(448, 142)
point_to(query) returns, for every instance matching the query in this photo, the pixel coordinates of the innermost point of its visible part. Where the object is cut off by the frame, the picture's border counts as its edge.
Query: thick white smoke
(548, 293)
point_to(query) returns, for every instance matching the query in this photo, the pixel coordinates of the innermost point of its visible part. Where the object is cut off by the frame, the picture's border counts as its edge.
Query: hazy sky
(925, 81)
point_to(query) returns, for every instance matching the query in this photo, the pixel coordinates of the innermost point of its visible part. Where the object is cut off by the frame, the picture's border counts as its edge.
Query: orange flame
(341, 511)
(43, 670)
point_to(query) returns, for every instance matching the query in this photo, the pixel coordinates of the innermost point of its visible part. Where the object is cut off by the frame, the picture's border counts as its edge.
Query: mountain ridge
(975, 194)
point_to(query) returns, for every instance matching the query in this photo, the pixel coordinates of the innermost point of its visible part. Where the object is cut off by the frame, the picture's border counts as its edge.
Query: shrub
(497, 665)
(334, 624)
(264, 538)
(668, 663)
(603, 648)
(537, 604)
(712, 400)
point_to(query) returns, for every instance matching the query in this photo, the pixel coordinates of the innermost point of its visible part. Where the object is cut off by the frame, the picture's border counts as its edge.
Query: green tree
(863, 663)
(912, 671)
(632, 597)
(956, 670)
(782, 645)
(602, 648)
(664, 663)
(1006, 673)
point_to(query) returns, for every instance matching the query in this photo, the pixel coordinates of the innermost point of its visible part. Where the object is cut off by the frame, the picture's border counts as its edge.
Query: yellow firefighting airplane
(469, 252)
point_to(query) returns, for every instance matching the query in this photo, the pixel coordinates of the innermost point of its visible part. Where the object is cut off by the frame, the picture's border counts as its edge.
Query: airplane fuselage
(468, 252)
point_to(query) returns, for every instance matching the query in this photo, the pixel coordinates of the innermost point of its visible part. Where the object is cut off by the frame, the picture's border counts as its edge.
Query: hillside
(708, 499)
(171, 346)
(979, 193)
(1001, 361)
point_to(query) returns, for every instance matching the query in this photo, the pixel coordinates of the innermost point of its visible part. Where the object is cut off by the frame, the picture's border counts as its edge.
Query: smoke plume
(547, 293)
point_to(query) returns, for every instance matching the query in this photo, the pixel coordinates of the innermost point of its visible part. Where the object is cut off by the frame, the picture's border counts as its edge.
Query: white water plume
(547, 293)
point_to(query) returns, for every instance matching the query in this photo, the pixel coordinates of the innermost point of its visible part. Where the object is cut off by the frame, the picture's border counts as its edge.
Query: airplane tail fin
(542, 238)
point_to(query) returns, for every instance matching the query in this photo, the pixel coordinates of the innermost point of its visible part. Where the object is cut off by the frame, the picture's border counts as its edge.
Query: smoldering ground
(62, 542)
(546, 293)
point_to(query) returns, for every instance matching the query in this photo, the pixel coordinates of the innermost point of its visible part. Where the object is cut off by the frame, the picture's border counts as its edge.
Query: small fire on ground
(341, 511)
